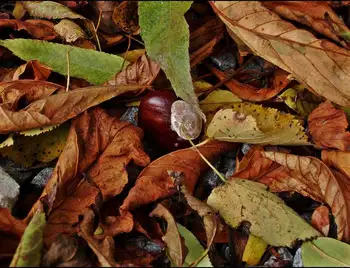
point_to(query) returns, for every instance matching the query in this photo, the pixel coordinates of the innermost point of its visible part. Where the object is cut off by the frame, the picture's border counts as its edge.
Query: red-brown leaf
(320, 220)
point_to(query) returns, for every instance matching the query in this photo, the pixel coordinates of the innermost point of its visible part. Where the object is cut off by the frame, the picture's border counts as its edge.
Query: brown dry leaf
(100, 146)
(154, 182)
(32, 70)
(66, 252)
(114, 225)
(247, 92)
(58, 108)
(142, 72)
(176, 248)
(327, 127)
(126, 18)
(337, 159)
(105, 8)
(320, 220)
(315, 14)
(312, 178)
(104, 249)
(11, 225)
(38, 29)
(294, 50)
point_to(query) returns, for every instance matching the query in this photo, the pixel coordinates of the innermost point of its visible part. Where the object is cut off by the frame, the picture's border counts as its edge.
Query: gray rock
(9, 190)
(42, 177)
(16, 171)
(297, 260)
(245, 148)
(285, 259)
(225, 61)
(131, 115)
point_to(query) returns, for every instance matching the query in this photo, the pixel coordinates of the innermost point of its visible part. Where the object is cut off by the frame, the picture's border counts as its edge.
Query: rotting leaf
(103, 249)
(176, 249)
(279, 81)
(58, 108)
(154, 182)
(69, 30)
(294, 50)
(195, 249)
(325, 252)
(28, 252)
(320, 220)
(125, 17)
(327, 126)
(11, 225)
(254, 250)
(96, 67)
(170, 48)
(114, 225)
(250, 123)
(270, 218)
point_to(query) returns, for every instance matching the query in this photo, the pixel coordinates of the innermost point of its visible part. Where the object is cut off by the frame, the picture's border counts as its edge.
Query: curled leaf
(270, 218)
(327, 126)
(69, 30)
(250, 123)
(155, 183)
(11, 225)
(320, 220)
(337, 159)
(176, 248)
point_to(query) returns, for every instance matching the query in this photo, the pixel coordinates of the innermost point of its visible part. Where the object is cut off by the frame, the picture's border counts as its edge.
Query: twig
(68, 70)
(96, 36)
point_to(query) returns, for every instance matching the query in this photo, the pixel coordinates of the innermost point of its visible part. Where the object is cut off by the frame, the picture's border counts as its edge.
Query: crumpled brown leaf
(33, 69)
(66, 252)
(294, 50)
(337, 159)
(327, 126)
(58, 108)
(312, 178)
(114, 225)
(125, 17)
(38, 29)
(176, 248)
(154, 182)
(141, 72)
(101, 147)
(11, 225)
(320, 220)
(315, 14)
(278, 82)
(104, 249)
(105, 8)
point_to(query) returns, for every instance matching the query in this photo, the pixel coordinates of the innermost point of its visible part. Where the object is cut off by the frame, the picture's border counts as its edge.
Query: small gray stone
(16, 171)
(9, 190)
(225, 61)
(245, 148)
(130, 115)
(42, 177)
(297, 260)
(284, 260)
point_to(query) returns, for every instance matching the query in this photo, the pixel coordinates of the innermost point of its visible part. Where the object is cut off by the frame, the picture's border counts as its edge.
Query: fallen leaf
(96, 67)
(32, 70)
(300, 100)
(170, 48)
(66, 252)
(154, 182)
(58, 108)
(270, 218)
(327, 126)
(69, 30)
(254, 250)
(49, 10)
(38, 29)
(103, 249)
(312, 14)
(11, 225)
(277, 83)
(114, 225)
(217, 99)
(125, 17)
(176, 249)
(99, 146)
(195, 249)
(325, 252)
(312, 178)
(18, 11)
(133, 55)
(250, 123)
(105, 10)
(28, 252)
(141, 72)
(42, 148)
(294, 50)
(337, 159)
(320, 220)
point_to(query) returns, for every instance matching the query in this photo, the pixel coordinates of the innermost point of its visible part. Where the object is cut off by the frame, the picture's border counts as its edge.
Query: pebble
(42, 177)
(297, 260)
(131, 115)
(225, 61)
(16, 171)
(9, 190)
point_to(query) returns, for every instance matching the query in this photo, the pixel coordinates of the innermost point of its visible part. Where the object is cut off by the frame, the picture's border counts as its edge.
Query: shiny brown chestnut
(154, 118)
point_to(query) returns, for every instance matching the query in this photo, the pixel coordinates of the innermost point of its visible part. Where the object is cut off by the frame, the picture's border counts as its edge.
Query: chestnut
(158, 118)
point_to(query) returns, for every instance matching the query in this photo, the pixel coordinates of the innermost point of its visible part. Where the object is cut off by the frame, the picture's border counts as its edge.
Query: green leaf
(93, 66)
(166, 36)
(49, 10)
(270, 218)
(325, 252)
(195, 249)
(28, 253)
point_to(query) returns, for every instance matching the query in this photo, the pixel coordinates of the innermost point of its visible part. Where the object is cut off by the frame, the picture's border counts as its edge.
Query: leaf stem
(68, 70)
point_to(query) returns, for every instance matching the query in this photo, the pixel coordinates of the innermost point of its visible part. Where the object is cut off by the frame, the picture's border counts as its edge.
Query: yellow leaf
(42, 148)
(250, 123)
(201, 86)
(254, 250)
(38, 131)
(133, 104)
(8, 142)
(132, 55)
(217, 99)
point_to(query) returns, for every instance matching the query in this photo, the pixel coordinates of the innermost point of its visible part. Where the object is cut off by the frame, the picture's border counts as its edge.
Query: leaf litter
(267, 182)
